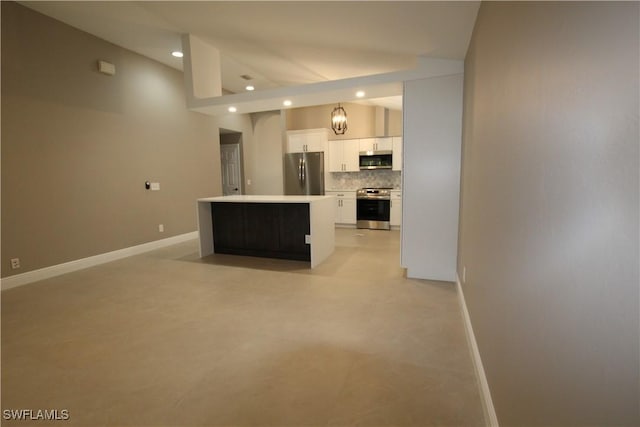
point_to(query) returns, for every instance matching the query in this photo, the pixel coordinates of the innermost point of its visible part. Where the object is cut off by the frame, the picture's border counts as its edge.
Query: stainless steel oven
(373, 208)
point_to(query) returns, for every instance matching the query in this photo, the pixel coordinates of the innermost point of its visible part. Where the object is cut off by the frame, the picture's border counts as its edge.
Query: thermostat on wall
(106, 68)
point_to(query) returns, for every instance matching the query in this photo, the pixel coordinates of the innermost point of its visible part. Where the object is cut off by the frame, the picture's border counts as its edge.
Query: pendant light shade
(339, 120)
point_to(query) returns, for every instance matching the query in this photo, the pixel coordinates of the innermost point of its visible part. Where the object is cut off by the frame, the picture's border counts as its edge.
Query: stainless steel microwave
(376, 160)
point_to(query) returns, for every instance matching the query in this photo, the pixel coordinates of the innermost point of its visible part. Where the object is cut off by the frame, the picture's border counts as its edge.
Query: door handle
(300, 170)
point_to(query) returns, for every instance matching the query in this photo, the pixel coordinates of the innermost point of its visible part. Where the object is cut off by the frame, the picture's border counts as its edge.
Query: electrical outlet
(161, 228)
(464, 274)
(15, 263)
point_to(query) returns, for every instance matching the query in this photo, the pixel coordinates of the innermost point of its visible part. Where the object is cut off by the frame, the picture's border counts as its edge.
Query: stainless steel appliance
(376, 160)
(304, 174)
(373, 208)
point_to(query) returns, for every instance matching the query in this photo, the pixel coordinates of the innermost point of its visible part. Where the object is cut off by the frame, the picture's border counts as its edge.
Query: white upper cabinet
(343, 155)
(367, 144)
(376, 144)
(384, 144)
(397, 153)
(351, 155)
(335, 156)
(308, 140)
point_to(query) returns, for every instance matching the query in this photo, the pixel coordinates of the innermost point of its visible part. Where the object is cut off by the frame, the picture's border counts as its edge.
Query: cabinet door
(397, 153)
(383, 144)
(335, 156)
(262, 227)
(351, 155)
(339, 210)
(296, 143)
(293, 226)
(348, 211)
(396, 209)
(228, 227)
(316, 141)
(367, 144)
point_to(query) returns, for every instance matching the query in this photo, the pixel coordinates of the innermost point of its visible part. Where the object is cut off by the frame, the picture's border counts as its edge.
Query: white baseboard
(491, 419)
(79, 264)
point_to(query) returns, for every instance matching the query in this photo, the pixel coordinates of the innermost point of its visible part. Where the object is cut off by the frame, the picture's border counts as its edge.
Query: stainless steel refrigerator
(304, 174)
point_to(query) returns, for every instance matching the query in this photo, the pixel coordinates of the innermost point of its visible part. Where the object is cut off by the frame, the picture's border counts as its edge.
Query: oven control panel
(374, 193)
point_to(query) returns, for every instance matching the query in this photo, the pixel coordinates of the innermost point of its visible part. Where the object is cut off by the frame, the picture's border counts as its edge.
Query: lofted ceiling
(282, 44)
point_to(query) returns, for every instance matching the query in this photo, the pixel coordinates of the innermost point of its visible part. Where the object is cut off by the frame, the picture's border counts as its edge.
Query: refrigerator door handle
(304, 171)
(300, 170)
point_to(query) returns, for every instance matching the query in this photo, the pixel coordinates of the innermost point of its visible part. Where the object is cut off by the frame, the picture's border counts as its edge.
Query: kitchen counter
(290, 227)
(333, 190)
(264, 199)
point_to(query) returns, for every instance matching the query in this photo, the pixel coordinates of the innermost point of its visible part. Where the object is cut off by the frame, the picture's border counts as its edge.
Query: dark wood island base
(274, 230)
(288, 227)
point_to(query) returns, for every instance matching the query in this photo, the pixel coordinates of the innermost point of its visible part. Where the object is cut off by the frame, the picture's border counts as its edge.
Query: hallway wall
(549, 209)
(78, 146)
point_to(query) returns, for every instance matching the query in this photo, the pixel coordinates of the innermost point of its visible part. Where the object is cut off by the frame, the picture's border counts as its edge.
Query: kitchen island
(288, 227)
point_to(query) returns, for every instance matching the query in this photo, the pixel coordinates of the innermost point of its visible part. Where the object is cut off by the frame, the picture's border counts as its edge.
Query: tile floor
(167, 339)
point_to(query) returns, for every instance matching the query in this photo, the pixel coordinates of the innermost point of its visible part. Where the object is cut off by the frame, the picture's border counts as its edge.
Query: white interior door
(231, 174)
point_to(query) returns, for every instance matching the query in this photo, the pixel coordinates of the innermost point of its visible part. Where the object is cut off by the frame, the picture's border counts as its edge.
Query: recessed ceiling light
(360, 93)
(232, 109)
(177, 54)
(249, 87)
(287, 103)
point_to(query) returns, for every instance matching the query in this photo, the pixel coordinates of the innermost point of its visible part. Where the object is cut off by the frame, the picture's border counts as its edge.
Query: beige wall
(267, 153)
(77, 146)
(361, 120)
(550, 195)
(395, 123)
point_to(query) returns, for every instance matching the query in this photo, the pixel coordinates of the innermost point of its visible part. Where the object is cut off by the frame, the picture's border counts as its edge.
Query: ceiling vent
(246, 77)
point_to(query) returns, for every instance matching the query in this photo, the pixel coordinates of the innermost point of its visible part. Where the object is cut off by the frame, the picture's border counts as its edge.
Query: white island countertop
(264, 199)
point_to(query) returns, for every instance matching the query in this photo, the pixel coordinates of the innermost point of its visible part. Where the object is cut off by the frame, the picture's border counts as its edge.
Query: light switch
(307, 239)
(155, 186)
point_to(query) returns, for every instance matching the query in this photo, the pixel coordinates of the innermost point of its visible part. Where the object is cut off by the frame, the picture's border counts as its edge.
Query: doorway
(231, 162)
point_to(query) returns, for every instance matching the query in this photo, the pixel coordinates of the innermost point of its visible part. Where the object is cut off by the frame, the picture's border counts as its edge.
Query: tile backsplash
(363, 179)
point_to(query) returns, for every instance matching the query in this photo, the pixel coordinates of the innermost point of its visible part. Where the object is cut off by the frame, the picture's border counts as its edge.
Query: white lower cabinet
(396, 208)
(345, 206)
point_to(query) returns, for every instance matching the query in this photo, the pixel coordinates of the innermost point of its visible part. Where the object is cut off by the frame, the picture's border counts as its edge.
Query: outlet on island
(161, 228)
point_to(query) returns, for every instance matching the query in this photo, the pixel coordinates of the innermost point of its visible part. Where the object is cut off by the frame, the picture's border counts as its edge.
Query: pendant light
(339, 120)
